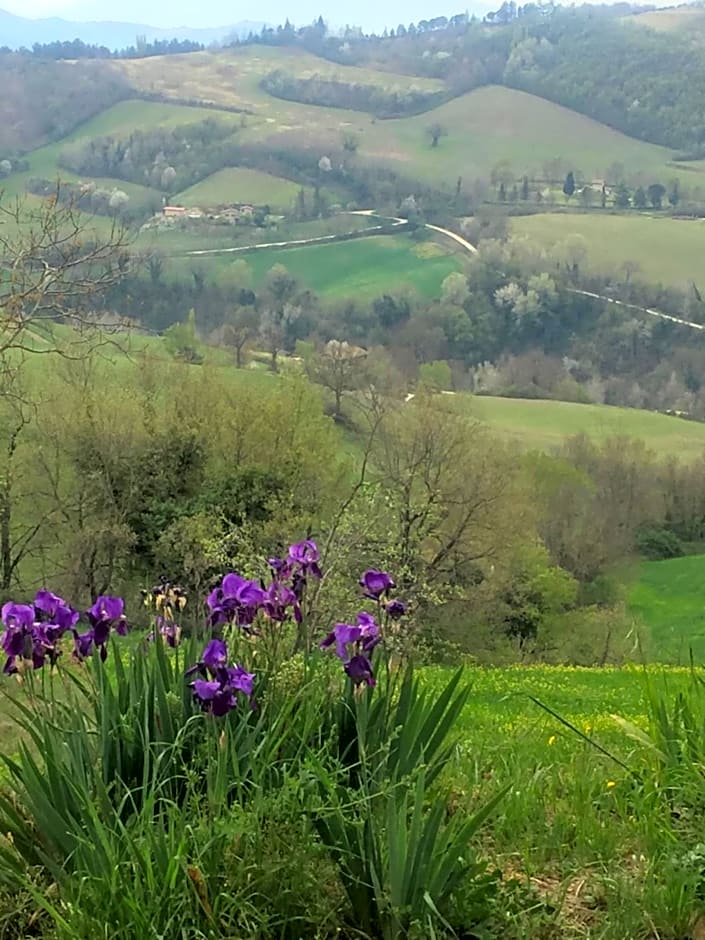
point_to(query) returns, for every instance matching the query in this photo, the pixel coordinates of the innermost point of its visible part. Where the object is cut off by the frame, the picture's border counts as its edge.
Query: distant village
(232, 214)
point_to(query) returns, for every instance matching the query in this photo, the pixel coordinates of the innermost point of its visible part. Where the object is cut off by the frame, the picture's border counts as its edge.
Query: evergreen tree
(622, 198)
(569, 185)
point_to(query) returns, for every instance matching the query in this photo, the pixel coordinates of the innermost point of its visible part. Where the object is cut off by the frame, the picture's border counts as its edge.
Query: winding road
(458, 239)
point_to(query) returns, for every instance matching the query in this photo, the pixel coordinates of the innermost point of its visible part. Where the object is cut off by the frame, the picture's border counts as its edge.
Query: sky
(369, 14)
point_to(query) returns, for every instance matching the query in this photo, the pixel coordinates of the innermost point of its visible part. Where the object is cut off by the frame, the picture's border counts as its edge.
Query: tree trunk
(5, 542)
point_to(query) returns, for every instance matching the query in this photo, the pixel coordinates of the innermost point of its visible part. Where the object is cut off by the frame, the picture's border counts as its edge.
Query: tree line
(353, 96)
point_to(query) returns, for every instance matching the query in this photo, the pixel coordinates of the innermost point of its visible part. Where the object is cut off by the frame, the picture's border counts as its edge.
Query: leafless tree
(54, 263)
(337, 366)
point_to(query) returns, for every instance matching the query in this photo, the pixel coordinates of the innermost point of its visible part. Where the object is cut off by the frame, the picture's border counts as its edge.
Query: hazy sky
(366, 13)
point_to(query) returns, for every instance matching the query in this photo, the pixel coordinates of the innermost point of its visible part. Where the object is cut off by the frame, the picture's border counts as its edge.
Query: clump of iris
(355, 643)
(33, 632)
(218, 685)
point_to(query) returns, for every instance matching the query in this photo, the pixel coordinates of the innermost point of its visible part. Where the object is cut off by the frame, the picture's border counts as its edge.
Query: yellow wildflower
(552, 740)
(610, 784)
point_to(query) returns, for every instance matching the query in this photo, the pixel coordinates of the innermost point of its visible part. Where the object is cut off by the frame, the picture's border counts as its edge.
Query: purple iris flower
(215, 655)
(375, 583)
(240, 680)
(17, 615)
(363, 635)
(396, 609)
(278, 600)
(359, 668)
(218, 685)
(107, 613)
(305, 556)
(353, 645)
(55, 609)
(250, 594)
(22, 637)
(83, 644)
(281, 568)
(235, 600)
(33, 633)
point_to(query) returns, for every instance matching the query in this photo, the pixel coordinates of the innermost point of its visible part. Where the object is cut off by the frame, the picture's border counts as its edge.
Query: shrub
(656, 543)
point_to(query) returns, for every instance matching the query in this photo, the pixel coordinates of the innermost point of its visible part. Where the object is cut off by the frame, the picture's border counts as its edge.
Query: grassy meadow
(240, 184)
(669, 251)
(543, 425)
(366, 267)
(120, 120)
(484, 126)
(669, 597)
(670, 19)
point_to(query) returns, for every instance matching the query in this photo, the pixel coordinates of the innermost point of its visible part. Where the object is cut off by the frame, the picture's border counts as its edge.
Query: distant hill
(19, 31)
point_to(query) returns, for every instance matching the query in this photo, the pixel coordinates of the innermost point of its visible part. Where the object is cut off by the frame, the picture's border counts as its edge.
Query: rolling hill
(485, 126)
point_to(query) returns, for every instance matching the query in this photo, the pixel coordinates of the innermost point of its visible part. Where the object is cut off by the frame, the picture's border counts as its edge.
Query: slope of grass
(496, 123)
(669, 596)
(544, 425)
(239, 184)
(687, 16)
(120, 120)
(363, 268)
(484, 126)
(231, 78)
(667, 250)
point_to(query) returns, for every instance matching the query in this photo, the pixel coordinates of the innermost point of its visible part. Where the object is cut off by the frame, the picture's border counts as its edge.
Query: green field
(496, 123)
(669, 596)
(120, 120)
(686, 16)
(238, 184)
(231, 78)
(366, 267)
(667, 250)
(546, 424)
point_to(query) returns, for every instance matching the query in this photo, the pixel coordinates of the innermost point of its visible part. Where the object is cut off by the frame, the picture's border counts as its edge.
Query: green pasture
(239, 184)
(671, 19)
(544, 425)
(120, 121)
(669, 596)
(366, 267)
(231, 78)
(665, 250)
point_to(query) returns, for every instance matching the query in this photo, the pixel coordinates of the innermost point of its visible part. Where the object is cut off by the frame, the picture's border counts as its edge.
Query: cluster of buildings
(235, 214)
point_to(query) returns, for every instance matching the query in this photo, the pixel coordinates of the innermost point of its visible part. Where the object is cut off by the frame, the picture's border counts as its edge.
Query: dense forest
(44, 100)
